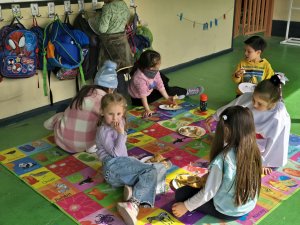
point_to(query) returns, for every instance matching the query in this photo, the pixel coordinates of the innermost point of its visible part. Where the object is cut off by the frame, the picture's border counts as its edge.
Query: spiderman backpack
(18, 54)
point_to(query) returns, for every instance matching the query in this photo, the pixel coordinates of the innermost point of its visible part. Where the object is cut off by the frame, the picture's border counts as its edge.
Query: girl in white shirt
(272, 121)
(234, 178)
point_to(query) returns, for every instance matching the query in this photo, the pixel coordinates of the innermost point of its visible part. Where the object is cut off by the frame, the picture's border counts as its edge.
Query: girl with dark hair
(148, 84)
(272, 121)
(234, 179)
(75, 128)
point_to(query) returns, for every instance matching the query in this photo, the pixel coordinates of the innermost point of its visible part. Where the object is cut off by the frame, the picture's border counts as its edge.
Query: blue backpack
(18, 53)
(39, 32)
(62, 49)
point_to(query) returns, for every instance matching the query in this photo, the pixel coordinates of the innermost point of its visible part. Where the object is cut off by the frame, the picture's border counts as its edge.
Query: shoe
(92, 149)
(129, 212)
(127, 193)
(48, 124)
(195, 91)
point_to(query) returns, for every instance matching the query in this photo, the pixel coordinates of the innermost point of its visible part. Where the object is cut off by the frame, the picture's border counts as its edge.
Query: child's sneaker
(127, 193)
(92, 149)
(195, 91)
(129, 212)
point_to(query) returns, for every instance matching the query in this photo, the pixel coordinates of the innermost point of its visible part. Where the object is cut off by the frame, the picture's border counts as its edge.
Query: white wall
(176, 40)
(281, 10)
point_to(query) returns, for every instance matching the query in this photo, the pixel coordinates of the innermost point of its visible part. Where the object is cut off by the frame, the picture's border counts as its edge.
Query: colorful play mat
(76, 186)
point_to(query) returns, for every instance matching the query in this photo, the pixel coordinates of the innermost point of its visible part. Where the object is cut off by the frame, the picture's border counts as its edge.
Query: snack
(173, 106)
(190, 180)
(185, 131)
(156, 158)
(198, 131)
(191, 131)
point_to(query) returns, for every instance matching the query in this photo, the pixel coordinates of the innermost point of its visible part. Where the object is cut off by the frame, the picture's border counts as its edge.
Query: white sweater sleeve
(212, 185)
(243, 100)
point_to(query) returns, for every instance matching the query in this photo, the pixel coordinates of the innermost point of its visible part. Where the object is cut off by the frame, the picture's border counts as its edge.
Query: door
(253, 16)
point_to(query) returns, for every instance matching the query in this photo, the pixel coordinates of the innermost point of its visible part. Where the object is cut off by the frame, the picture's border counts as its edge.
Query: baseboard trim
(31, 113)
(195, 61)
(28, 114)
(279, 28)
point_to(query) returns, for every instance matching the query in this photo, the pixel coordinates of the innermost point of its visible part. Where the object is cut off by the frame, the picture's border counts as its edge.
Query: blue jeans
(120, 171)
(161, 178)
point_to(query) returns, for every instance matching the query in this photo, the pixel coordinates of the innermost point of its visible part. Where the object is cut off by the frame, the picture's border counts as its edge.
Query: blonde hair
(240, 135)
(112, 98)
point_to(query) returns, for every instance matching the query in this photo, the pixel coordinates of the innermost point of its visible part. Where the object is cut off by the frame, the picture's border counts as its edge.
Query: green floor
(19, 204)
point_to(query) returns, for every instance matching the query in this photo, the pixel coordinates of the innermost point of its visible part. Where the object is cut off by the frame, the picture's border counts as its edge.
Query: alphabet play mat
(74, 182)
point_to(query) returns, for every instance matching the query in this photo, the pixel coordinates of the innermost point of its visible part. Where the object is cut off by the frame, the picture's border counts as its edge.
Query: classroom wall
(177, 40)
(281, 10)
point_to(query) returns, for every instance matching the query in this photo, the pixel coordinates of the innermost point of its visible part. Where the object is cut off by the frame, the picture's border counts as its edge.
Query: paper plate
(190, 131)
(246, 87)
(167, 107)
(146, 158)
(180, 97)
(174, 184)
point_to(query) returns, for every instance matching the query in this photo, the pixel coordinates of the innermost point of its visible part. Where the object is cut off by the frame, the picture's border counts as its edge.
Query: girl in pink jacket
(75, 128)
(148, 84)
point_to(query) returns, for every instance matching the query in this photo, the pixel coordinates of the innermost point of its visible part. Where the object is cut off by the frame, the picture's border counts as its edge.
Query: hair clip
(282, 77)
(224, 117)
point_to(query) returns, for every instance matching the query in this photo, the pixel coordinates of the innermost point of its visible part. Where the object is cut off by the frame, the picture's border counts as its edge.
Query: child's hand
(179, 209)
(147, 113)
(239, 73)
(172, 100)
(266, 171)
(209, 120)
(118, 127)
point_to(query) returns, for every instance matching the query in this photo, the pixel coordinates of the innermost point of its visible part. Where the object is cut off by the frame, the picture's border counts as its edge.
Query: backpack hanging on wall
(5, 30)
(66, 73)
(62, 49)
(90, 60)
(18, 51)
(39, 32)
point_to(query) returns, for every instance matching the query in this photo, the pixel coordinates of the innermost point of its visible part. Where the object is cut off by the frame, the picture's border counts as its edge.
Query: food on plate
(173, 106)
(190, 180)
(198, 131)
(185, 131)
(191, 131)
